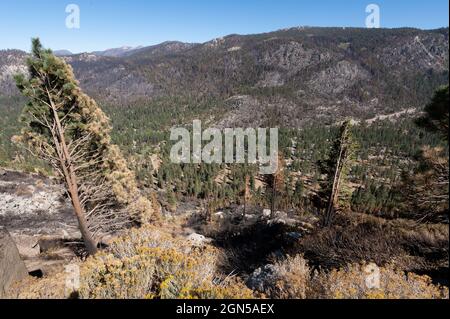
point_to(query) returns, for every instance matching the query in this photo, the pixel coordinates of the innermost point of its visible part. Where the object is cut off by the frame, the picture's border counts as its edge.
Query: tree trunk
(246, 194)
(334, 191)
(71, 181)
(274, 195)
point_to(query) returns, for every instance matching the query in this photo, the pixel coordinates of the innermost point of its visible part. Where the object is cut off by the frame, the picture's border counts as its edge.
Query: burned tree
(66, 129)
(275, 181)
(246, 194)
(427, 188)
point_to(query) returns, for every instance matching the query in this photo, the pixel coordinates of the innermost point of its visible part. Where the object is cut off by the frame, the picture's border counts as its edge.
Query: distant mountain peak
(62, 52)
(117, 52)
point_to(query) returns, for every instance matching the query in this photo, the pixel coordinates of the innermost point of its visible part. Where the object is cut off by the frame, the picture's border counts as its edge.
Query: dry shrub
(427, 240)
(46, 288)
(340, 245)
(149, 264)
(144, 263)
(350, 283)
(293, 279)
(358, 237)
(289, 279)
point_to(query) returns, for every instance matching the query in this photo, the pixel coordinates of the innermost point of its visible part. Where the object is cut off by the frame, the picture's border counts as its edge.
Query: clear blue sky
(108, 24)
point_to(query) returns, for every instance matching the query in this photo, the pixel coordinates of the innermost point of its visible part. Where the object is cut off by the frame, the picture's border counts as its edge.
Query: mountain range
(298, 74)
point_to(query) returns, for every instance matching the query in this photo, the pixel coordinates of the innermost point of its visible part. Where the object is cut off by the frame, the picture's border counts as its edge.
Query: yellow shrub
(149, 264)
(292, 279)
(354, 282)
(46, 288)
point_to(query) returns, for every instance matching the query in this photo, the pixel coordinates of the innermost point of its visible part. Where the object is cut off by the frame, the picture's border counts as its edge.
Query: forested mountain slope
(296, 74)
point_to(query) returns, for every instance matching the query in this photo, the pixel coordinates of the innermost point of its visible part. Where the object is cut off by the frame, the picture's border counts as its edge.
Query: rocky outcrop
(12, 268)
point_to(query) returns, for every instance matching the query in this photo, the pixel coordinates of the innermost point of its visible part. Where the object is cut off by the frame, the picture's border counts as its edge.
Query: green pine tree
(67, 129)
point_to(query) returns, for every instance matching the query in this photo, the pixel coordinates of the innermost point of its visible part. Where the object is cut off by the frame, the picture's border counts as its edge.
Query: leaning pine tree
(335, 190)
(65, 128)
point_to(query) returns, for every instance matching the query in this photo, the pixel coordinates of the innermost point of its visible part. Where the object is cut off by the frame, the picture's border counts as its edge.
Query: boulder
(262, 278)
(27, 245)
(198, 240)
(12, 267)
(285, 221)
(266, 212)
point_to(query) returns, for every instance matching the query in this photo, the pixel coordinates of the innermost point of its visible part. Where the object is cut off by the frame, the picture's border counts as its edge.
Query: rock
(294, 235)
(266, 212)
(198, 240)
(284, 221)
(49, 243)
(281, 215)
(28, 246)
(261, 278)
(50, 263)
(219, 214)
(12, 267)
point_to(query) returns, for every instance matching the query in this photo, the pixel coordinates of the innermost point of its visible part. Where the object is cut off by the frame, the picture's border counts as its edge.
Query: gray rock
(219, 215)
(294, 235)
(266, 212)
(12, 268)
(281, 215)
(261, 278)
(285, 221)
(27, 245)
(198, 240)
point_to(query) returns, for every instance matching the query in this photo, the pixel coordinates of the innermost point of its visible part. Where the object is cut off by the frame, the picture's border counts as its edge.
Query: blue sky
(107, 24)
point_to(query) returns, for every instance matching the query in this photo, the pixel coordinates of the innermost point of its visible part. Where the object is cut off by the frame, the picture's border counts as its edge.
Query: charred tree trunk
(274, 197)
(246, 194)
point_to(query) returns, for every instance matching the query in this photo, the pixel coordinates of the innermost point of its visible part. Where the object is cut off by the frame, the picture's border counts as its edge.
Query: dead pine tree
(207, 207)
(66, 129)
(337, 167)
(275, 182)
(246, 194)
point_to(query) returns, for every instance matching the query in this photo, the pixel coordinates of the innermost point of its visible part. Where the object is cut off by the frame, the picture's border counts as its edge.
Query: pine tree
(436, 118)
(246, 193)
(336, 168)
(428, 188)
(67, 129)
(275, 182)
